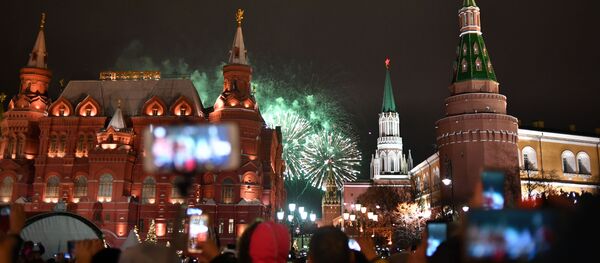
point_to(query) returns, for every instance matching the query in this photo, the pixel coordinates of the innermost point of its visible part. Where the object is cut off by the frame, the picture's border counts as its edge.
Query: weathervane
(43, 21)
(239, 16)
(387, 63)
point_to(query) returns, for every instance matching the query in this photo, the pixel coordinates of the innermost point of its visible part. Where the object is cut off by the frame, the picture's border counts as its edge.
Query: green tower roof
(467, 3)
(473, 61)
(389, 105)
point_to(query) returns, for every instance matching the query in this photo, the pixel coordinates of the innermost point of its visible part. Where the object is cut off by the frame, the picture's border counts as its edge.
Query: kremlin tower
(476, 133)
(389, 162)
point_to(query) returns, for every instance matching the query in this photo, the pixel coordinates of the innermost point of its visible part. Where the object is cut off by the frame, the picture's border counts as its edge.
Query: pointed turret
(117, 121)
(331, 190)
(238, 53)
(389, 105)
(473, 61)
(38, 55)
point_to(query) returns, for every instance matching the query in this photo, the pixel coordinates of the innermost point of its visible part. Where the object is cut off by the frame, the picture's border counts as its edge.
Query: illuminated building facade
(85, 149)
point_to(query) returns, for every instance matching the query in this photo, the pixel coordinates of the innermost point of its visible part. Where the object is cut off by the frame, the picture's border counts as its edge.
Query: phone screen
(197, 232)
(493, 189)
(353, 244)
(437, 232)
(192, 148)
(508, 235)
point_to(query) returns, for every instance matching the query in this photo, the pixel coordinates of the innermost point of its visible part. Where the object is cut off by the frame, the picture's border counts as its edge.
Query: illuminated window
(80, 146)
(489, 66)
(221, 226)
(174, 191)
(61, 111)
(464, 49)
(52, 147)
(52, 187)
(10, 147)
(529, 158)
(88, 110)
(463, 65)
(231, 225)
(182, 110)
(105, 187)
(148, 190)
(81, 186)
(478, 65)
(583, 163)
(568, 159)
(6, 189)
(227, 192)
(63, 143)
(155, 111)
(476, 48)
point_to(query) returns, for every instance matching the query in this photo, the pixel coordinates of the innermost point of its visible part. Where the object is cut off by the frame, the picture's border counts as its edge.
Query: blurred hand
(209, 251)
(367, 247)
(418, 256)
(86, 249)
(16, 219)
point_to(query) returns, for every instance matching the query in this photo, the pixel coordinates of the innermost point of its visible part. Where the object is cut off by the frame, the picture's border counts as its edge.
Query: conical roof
(117, 121)
(38, 55)
(467, 3)
(238, 53)
(389, 105)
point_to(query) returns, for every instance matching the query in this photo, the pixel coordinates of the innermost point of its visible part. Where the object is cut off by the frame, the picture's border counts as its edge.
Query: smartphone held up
(198, 229)
(191, 148)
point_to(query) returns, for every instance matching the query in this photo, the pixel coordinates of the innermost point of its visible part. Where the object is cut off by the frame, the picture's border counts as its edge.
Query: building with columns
(85, 149)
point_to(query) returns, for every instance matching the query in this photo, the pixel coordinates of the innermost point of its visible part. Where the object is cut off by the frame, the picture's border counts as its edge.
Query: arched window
(478, 65)
(568, 162)
(91, 143)
(464, 49)
(105, 188)
(6, 189)
(80, 186)
(63, 143)
(476, 48)
(383, 162)
(583, 163)
(175, 194)
(227, 192)
(148, 190)
(10, 147)
(392, 162)
(53, 140)
(52, 188)
(463, 65)
(489, 66)
(20, 146)
(529, 159)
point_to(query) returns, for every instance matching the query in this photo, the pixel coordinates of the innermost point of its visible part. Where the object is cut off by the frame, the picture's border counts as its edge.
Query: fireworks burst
(335, 149)
(295, 131)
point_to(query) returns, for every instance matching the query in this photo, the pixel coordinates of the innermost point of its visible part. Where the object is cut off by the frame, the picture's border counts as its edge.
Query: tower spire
(238, 53)
(473, 61)
(117, 121)
(38, 55)
(389, 105)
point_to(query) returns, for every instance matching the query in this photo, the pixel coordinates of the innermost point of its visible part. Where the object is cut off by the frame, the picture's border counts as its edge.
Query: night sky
(545, 53)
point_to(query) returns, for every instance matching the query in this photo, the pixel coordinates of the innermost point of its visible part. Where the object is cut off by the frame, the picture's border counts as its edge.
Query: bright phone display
(508, 235)
(198, 230)
(493, 189)
(192, 148)
(437, 232)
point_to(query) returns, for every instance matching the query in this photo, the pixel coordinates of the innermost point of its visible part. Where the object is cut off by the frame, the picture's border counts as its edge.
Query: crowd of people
(573, 240)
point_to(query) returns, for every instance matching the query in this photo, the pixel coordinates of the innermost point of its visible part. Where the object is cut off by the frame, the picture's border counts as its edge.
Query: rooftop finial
(43, 20)
(119, 103)
(239, 16)
(387, 63)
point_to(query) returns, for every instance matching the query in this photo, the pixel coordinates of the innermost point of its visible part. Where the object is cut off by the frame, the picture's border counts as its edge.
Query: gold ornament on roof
(43, 21)
(239, 16)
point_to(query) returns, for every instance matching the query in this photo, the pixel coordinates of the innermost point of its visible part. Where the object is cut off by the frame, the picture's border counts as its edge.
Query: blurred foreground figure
(329, 245)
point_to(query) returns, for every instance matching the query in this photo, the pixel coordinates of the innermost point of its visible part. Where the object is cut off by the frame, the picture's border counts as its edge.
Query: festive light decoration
(151, 235)
(331, 148)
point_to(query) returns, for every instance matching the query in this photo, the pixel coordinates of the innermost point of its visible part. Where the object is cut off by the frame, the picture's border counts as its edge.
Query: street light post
(449, 180)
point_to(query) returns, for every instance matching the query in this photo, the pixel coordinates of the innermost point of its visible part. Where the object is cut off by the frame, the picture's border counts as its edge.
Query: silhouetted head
(329, 245)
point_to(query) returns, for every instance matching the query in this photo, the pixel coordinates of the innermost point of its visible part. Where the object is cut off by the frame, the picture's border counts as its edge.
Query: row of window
(105, 187)
(90, 108)
(15, 148)
(57, 145)
(571, 163)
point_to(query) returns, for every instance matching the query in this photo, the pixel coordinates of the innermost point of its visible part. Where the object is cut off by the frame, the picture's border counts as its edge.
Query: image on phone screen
(493, 189)
(436, 234)
(198, 232)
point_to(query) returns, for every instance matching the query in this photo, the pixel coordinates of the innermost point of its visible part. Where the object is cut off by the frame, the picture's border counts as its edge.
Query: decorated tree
(151, 235)
(410, 219)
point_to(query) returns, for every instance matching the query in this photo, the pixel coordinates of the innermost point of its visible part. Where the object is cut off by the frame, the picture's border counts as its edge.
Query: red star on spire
(387, 63)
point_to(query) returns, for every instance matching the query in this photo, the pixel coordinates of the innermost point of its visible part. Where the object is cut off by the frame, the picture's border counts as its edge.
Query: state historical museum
(83, 151)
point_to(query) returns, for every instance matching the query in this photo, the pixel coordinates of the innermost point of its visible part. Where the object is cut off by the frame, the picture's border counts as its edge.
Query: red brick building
(85, 149)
